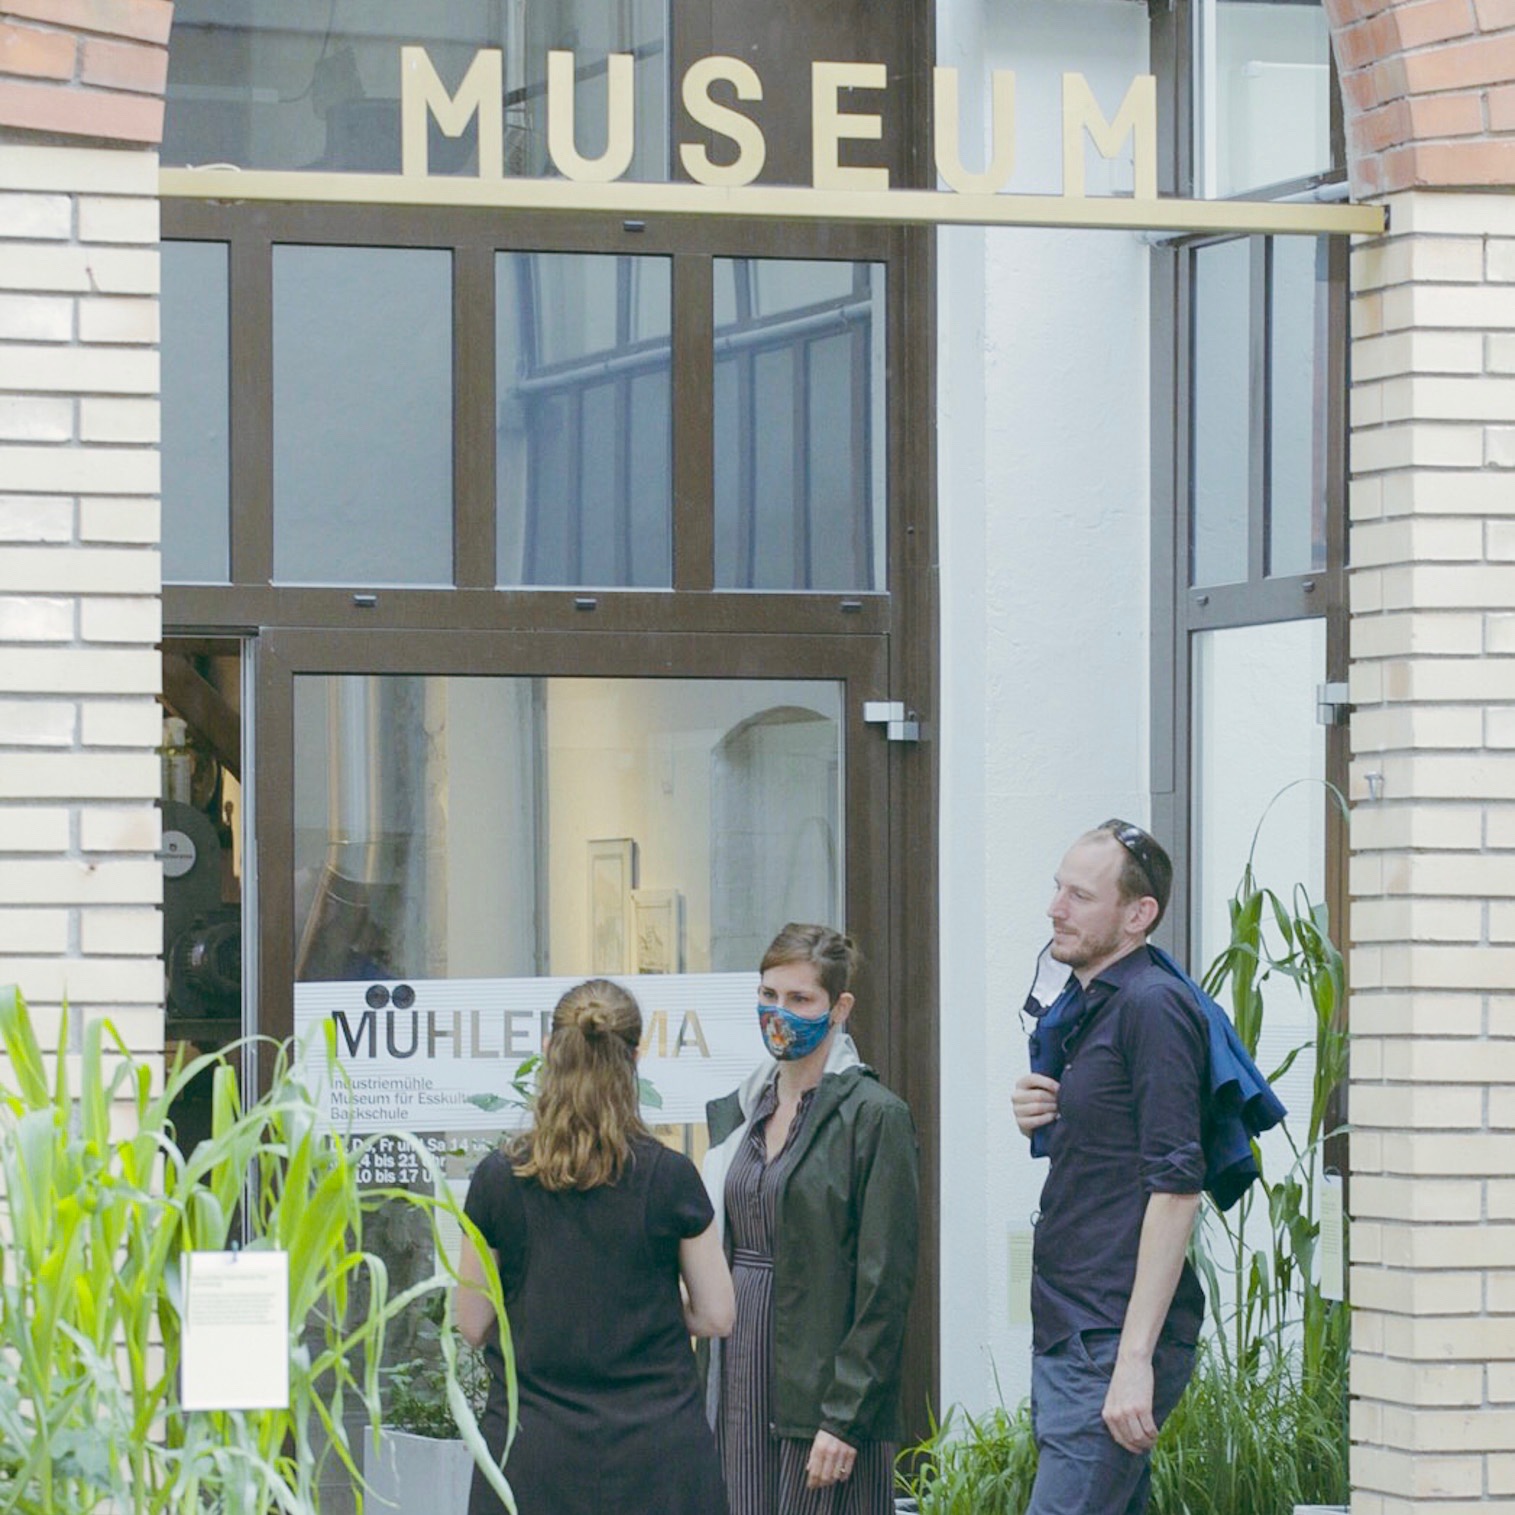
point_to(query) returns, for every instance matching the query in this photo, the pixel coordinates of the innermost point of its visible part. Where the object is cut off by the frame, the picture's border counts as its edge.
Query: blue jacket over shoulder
(1241, 1103)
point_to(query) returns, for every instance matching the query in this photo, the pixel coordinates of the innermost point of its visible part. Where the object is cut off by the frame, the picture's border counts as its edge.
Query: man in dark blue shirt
(1115, 1306)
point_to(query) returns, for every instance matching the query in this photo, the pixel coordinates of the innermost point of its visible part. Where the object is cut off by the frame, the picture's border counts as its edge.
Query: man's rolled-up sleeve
(1164, 1041)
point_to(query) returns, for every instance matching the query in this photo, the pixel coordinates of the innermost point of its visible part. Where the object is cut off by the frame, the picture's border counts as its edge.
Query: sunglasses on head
(1141, 847)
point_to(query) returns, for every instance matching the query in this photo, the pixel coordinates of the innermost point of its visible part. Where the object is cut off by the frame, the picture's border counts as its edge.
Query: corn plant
(94, 1223)
(1268, 1296)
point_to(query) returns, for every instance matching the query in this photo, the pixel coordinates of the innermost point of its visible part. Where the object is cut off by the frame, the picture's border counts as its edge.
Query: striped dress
(765, 1474)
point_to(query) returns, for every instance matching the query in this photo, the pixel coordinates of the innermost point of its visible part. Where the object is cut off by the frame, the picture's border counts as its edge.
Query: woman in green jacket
(812, 1172)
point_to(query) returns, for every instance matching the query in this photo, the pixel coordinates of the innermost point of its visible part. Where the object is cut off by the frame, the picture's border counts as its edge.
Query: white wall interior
(1043, 502)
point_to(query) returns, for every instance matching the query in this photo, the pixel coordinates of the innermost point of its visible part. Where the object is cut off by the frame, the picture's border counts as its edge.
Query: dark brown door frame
(885, 790)
(633, 632)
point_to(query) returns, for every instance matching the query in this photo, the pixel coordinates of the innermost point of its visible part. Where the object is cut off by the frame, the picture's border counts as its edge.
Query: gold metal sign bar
(779, 202)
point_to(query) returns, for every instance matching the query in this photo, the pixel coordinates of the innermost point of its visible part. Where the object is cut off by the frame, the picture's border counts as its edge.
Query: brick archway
(1428, 87)
(85, 68)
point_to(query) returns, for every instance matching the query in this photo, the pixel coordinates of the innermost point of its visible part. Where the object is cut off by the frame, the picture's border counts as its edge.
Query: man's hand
(1034, 1100)
(1128, 1404)
(831, 1461)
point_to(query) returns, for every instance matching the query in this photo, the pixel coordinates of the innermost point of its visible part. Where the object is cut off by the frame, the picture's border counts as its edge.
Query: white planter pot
(416, 1475)
(1320, 1509)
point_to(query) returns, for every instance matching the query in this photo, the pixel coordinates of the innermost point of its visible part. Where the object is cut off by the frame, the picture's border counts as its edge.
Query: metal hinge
(900, 725)
(1332, 707)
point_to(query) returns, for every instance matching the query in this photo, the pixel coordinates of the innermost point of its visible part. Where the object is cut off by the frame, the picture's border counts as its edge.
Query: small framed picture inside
(612, 877)
(659, 930)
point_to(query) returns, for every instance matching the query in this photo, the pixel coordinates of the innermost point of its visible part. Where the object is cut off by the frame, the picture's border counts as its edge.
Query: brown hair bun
(595, 1022)
(587, 1111)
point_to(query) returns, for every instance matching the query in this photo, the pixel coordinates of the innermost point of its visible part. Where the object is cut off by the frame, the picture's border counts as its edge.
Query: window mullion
(1258, 411)
(693, 390)
(250, 290)
(474, 443)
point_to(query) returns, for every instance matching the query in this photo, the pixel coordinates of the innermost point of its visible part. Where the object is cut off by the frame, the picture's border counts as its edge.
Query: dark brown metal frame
(252, 599)
(884, 644)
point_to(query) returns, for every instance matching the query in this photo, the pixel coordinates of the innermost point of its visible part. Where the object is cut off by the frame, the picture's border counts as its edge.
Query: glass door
(455, 828)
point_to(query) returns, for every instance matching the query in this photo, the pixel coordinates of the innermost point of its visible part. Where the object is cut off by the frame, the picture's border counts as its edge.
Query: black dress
(612, 1415)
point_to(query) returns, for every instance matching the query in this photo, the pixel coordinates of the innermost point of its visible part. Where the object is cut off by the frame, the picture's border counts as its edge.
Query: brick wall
(85, 68)
(80, 610)
(1429, 90)
(1433, 867)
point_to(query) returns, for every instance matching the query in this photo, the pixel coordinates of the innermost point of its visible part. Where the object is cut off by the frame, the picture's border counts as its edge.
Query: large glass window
(1250, 589)
(584, 429)
(1253, 712)
(362, 419)
(1264, 93)
(286, 84)
(1255, 731)
(463, 827)
(799, 425)
(466, 848)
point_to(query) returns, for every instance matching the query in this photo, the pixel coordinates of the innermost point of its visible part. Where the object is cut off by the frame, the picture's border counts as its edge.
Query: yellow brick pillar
(1432, 1101)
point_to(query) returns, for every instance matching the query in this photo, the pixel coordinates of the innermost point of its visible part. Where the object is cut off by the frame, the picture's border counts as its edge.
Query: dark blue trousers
(1081, 1469)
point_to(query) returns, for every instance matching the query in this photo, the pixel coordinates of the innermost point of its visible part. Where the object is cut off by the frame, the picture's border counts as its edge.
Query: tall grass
(971, 1465)
(1255, 1440)
(1251, 1440)
(94, 1221)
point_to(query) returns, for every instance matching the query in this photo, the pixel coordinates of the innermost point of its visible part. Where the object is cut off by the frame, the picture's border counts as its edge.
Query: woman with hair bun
(812, 1172)
(594, 1225)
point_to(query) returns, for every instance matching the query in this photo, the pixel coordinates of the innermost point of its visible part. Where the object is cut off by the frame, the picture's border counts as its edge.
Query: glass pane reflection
(196, 358)
(286, 84)
(1298, 406)
(362, 415)
(495, 830)
(1219, 423)
(799, 425)
(584, 473)
(1266, 102)
(443, 826)
(1254, 730)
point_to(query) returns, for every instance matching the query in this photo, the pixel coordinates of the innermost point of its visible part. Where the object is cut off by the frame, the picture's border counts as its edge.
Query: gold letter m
(1136, 118)
(423, 94)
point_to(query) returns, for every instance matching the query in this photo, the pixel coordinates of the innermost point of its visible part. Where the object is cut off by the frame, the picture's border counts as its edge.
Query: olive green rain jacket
(844, 1250)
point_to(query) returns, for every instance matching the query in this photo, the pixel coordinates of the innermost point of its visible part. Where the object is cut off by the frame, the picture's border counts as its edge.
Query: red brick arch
(1429, 92)
(85, 68)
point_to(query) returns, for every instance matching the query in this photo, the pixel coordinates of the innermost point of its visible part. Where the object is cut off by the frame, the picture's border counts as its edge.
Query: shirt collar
(1119, 973)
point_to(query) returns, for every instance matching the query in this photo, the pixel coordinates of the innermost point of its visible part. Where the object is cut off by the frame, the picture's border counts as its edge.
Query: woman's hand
(831, 1461)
